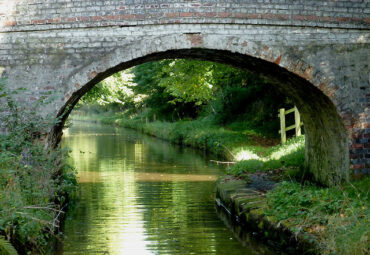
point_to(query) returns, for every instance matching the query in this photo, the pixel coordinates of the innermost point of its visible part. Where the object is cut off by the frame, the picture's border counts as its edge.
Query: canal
(140, 195)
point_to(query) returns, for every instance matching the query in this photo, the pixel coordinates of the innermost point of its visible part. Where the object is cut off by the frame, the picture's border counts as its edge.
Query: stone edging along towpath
(245, 202)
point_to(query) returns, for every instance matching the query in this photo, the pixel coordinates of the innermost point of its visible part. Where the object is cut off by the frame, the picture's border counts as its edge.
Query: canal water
(141, 195)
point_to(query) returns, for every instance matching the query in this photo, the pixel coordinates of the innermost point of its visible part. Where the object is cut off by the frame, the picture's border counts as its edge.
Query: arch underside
(318, 59)
(326, 138)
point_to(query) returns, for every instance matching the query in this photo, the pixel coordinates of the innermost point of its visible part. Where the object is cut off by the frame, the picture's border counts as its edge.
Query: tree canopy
(175, 89)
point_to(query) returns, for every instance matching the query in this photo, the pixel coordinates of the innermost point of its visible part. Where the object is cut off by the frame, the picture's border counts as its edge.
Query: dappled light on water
(94, 177)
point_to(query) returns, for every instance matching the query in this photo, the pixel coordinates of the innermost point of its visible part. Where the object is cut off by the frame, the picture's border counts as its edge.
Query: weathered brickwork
(317, 52)
(80, 13)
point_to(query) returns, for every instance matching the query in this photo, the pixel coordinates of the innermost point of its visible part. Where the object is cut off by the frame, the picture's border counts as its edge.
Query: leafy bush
(34, 180)
(6, 247)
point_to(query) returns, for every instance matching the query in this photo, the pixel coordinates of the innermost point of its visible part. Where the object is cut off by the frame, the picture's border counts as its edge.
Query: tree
(114, 91)
(189, 81)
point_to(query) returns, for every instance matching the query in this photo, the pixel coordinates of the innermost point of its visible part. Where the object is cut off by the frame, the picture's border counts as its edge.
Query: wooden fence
(297, 125)
(147, 120)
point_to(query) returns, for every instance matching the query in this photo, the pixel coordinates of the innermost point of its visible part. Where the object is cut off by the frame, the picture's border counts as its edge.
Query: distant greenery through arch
(233, 114)
(179, 89)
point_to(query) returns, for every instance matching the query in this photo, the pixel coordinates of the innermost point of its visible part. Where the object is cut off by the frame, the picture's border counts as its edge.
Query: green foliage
(285, 156)
(245, 100)
(113, 92)
(6, 248)
(95, 94)
(337, 216)
(229, 144)
(34, 181)
(200, 134)
(246, 166)
(188, 81)
(179, 89)
(157, 97)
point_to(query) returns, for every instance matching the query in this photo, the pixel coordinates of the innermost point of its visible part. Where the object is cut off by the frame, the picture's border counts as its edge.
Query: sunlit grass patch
(290, 154)
(246, 154)
(292, 146)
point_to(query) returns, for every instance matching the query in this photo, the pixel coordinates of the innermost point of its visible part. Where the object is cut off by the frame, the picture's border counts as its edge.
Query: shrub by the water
(6, 248)
(35, 181)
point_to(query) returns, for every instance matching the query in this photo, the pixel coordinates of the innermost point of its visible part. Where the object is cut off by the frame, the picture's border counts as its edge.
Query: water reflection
(140, 195)
(93, 177)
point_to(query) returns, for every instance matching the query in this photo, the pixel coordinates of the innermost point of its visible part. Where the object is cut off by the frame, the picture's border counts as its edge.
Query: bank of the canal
(246, 204)
(222, 142)
(36, 185)
(292, 215)
(299, 218)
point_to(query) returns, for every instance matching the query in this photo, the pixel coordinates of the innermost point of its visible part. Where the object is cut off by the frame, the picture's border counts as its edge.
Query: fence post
(154, 117)
(146, 120)
(297, 119)
(282, 126)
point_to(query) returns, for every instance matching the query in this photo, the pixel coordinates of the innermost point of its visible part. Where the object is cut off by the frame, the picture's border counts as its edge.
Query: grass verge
(289, 156)
(248, 149)
(229, 142)
(338, 217)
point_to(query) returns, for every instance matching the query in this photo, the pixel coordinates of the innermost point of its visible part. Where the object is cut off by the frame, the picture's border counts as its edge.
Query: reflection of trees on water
(92, 149)
(183, 225)
(124, 210)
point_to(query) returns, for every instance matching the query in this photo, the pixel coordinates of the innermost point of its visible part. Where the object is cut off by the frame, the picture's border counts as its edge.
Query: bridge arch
(327, 154)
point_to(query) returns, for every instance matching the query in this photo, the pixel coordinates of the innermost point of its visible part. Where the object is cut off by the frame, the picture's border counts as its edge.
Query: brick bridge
(316, 52)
